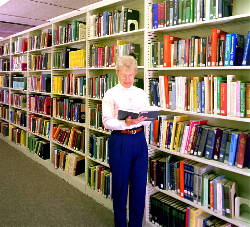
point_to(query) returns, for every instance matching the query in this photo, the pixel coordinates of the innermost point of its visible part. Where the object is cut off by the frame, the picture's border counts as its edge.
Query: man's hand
(129, 121)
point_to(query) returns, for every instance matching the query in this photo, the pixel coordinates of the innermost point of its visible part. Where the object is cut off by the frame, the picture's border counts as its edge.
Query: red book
(166, 91)
(182, 179)
(161, 14)
(216, 33)
(223, 99)
(241, 150)
(187, 217)
(211, 191)
(167, 41)
(156, 132)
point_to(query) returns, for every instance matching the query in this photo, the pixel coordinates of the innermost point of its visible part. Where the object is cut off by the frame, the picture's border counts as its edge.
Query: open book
(150, 112)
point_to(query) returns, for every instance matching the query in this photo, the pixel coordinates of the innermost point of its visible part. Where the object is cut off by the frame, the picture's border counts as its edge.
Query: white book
(229, 80)
(162, 92)
(233, 91)
(184, 139)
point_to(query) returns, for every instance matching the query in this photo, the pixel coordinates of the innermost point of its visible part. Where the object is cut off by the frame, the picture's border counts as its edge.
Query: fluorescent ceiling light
(2, 2)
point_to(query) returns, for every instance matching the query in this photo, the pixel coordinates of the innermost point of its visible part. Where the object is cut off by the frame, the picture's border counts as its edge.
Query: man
(128, 152)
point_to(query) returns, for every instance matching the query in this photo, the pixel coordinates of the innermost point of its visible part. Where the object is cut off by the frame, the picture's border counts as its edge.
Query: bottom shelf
(173, 195)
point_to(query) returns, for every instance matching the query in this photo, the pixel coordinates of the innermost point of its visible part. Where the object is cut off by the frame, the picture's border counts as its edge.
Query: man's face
(126, 77)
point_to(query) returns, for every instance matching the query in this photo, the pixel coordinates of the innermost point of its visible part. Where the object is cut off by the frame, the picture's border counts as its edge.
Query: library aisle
(30, 195)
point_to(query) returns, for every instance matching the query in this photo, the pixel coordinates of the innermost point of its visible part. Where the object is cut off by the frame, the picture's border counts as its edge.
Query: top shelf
(218, 21)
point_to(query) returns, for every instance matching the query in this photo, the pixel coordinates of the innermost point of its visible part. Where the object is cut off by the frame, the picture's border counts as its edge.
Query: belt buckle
(133, 131)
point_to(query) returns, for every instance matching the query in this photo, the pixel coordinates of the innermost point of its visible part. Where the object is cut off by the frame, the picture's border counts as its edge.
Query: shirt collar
(124, 88)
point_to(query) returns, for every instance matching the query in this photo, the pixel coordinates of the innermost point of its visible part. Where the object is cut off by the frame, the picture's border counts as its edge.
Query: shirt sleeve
(109, 110)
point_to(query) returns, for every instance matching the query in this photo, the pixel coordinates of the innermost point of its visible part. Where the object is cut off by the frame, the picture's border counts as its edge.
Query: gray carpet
(30, 195)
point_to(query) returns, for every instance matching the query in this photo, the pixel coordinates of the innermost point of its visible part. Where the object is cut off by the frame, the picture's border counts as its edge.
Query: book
(151, 113)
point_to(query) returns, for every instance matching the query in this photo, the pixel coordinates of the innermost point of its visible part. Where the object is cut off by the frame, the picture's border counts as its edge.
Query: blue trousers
(128, 159)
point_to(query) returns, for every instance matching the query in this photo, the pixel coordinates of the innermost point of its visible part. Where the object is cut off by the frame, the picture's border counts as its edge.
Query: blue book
(199, 92)
(233, 49)
(239, 50)
(216, 180)
(224, 144)
(210, 143)
(233, 148)
(228, 49)
(155, 15)
(246, 55)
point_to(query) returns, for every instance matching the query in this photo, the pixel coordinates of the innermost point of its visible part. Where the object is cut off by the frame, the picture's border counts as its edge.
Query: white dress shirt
(119, 97)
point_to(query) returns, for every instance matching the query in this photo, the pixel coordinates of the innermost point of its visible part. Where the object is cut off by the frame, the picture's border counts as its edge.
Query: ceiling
(19, 15)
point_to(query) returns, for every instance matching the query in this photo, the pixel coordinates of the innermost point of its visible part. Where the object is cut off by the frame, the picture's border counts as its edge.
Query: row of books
(70, 32)
(40, 61)
(211, 94)
(195, 137)
(100, 179)
(79, 85)
(17, 135)
(18, 117)
(4, 81)
(174, 12)
(18, 100)
(219, 49)
(38, 146)
(71, 163)
(194, 181)
(69, 136)
(39, 125)
(69, 109)
(98, 147)
(167, 211)
(40, 104)
(4, 112)
(4, 64)
(116, 21)
(98, 85)
(105, 56)
(18, 63)
(4, 96)
(19, 82)
(20, 45)
(4, 49)
(40, 41)
(39, 83)
(95, 111)
(4, 128)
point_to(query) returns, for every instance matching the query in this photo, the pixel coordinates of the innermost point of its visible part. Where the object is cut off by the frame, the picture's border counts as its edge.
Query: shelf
(20, 90)
(230, 220)
(70, 122)
(99, 130)
(110, 68)
(41, 136)
(203, 23)
(5, 56)
(7, 104)
(39, 92)
(217, 164)
(19, 53)
(121, 34)
(96, 99)
(19, 126)
(4, 88)
(71, 96)
(19, 108)
(19, 71)
(39, 50)
(5, 71)
(69, 69)
(98, 161)
(48, 116)
(71, 149)
(200, 68)
(70, 43)
(38, 71)
(247, 120)
(4, 119)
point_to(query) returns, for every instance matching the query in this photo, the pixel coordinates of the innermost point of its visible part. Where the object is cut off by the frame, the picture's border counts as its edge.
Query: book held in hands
(151, 113)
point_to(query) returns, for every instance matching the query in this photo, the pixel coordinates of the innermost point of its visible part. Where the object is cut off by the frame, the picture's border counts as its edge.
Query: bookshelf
(47, 40)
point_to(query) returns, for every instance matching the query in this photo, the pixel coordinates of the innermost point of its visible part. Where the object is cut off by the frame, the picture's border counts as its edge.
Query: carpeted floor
(31, 196)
